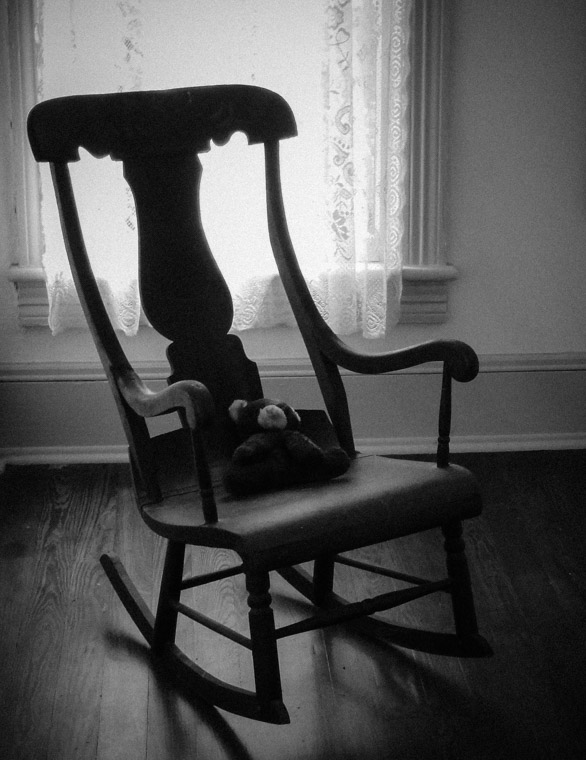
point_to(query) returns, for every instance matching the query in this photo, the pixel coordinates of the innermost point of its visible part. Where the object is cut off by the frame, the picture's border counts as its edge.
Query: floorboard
(77, 681)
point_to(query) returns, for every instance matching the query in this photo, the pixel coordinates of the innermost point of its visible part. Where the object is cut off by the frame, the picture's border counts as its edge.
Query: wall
(515, 220)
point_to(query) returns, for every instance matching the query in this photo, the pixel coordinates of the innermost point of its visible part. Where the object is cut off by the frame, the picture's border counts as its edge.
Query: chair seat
(376, 500)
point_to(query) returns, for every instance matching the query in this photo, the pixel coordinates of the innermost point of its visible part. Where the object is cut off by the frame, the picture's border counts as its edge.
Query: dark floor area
(77, 681)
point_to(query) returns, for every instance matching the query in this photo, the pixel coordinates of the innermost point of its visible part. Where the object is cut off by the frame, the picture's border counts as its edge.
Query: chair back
(157, 135)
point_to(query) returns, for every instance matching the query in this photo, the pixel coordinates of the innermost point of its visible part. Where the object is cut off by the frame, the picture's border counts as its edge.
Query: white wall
(517, 214)
(515, 228)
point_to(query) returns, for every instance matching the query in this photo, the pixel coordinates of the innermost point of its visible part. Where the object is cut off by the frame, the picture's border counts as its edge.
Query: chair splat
(184, 294)
(182, 289)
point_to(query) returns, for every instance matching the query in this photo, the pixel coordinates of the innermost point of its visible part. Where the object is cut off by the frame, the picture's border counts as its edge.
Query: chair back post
(306, 313)
(445, 419)
(208, 501)
(110, 351)
(158, 136)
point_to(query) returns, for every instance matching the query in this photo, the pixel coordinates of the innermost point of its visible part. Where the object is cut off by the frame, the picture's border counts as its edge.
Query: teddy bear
(274, 453)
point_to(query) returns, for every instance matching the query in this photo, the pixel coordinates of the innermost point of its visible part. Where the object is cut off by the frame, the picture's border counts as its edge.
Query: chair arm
(459, 358)
(189, 395)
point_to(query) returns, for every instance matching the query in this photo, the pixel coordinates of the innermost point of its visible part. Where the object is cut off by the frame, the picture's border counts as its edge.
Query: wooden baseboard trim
(294, 367)
(474, 444)
(60, 456)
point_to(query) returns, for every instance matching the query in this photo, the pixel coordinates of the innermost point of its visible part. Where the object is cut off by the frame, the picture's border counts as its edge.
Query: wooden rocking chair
(178, 475)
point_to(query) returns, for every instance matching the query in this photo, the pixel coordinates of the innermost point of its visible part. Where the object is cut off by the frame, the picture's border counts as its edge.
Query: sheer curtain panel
(366, 112)
(342, 66)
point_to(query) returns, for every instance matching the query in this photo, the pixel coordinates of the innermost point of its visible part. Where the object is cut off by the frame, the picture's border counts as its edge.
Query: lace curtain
(68, 64)
(352, 262)
(366, 162)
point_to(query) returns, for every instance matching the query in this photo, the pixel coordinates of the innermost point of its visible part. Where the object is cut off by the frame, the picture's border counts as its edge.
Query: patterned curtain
(353, 269)
(366, 161)
(91, 47)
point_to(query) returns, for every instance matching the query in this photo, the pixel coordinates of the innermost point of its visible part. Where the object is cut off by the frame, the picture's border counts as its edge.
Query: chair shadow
(461, 722)
(458, 722)
(170, 690)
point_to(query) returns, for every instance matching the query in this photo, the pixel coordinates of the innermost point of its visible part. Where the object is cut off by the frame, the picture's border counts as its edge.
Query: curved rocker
(199, 682)
(470, 644)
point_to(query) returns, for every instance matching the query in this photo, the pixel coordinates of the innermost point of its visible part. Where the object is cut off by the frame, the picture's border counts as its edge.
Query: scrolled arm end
(192, 397)
(462, 361)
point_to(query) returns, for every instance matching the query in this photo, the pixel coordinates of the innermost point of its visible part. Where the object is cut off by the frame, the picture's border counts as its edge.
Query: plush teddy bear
(274, 452)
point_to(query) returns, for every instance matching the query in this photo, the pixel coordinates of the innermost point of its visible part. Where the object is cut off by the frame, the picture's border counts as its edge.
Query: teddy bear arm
(254, 448)
(301, 448)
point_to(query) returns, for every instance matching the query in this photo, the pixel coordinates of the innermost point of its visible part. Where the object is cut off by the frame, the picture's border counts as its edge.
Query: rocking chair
(178, 475)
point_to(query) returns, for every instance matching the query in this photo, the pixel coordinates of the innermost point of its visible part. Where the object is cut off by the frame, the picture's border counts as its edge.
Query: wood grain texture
(125, 678)
(78, 683)
(57, 644)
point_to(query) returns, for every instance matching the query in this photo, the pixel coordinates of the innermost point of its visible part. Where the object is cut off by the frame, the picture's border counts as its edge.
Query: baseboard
(293, 367)
(473, 444)
(118, 454)
(63, 455)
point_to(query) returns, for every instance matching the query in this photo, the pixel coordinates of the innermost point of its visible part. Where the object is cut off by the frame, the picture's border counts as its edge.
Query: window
(126, 63)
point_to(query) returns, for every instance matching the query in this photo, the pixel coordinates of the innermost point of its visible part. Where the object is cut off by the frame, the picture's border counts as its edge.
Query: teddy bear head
(263, 415)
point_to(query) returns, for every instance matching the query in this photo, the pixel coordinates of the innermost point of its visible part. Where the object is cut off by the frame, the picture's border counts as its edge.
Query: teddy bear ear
(236, 407)
(290, 413)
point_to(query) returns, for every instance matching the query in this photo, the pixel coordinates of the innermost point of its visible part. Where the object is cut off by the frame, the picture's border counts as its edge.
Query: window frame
(26, 270)
(426, 274)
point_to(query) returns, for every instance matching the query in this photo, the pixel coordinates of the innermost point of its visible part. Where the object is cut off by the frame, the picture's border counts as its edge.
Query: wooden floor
(77, 682)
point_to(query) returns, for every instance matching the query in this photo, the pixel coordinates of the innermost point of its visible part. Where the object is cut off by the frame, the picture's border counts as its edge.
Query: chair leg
(170, 592)
(263, 640)
(323, 579)
(461, 589)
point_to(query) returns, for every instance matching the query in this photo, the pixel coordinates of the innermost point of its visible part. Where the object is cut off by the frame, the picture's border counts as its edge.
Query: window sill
(31, 294)
(425, 293)
(424, 299)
